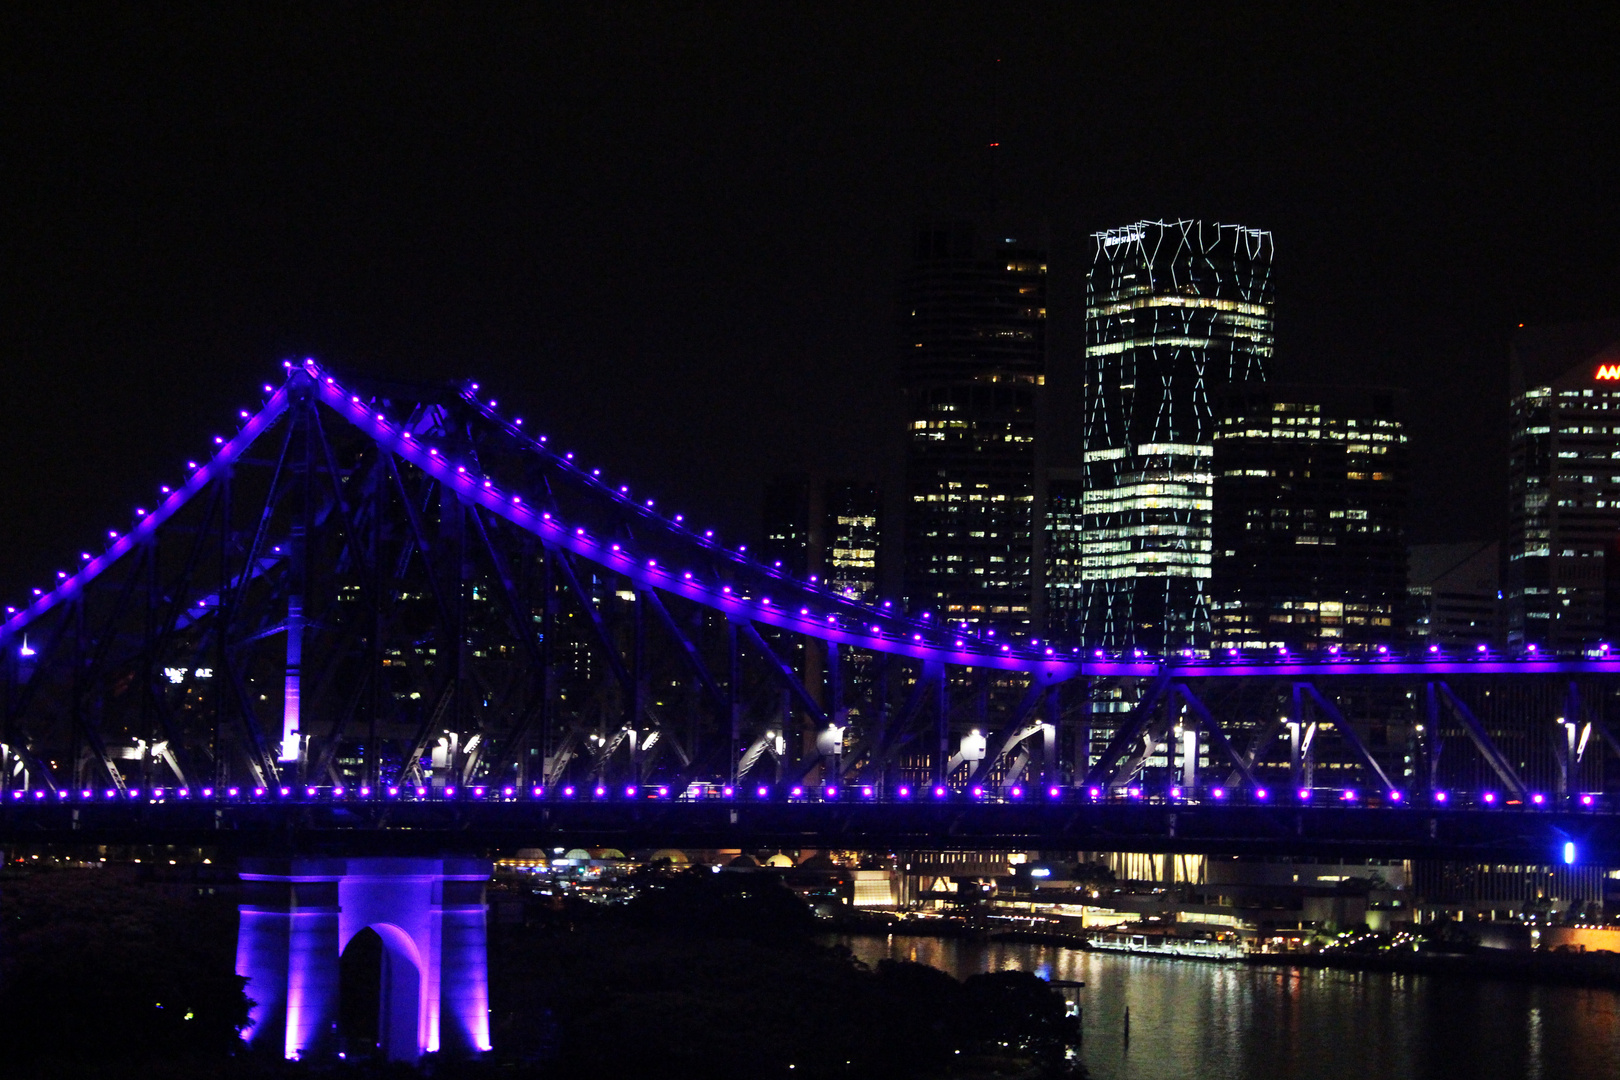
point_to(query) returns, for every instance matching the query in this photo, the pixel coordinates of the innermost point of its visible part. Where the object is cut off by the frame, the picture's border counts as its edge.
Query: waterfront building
(1175, 312)
(824, 527)
(1309, 506)
(973, 361)
(1454, 595)
(1562, 565)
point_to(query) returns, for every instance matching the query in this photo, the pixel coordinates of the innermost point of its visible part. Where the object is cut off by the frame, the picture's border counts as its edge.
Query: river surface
(1208, 1021)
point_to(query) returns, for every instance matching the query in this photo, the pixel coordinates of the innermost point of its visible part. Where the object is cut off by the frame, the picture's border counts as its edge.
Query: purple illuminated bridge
(385, 621)
(371, 585)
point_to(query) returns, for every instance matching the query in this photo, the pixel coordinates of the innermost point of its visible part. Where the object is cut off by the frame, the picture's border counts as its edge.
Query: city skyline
(587, 220)
(527, 523)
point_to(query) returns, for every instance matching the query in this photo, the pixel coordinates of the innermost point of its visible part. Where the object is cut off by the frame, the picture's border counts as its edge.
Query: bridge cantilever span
(374, 583)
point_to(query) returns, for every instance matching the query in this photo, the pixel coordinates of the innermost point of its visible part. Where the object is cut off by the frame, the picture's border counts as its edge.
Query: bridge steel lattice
(372, 585)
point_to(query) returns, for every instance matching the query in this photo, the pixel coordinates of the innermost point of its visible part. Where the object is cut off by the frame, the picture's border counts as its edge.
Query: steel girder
(375, 583)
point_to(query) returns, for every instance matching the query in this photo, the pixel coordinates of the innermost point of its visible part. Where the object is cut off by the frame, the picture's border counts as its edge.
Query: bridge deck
(1481, 835)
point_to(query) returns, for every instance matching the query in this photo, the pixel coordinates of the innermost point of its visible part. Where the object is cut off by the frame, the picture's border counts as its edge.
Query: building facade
(1308, 524)
(1562, 578)
(1454, 595)
(829, 529)
(1175, 312)
(973, 362)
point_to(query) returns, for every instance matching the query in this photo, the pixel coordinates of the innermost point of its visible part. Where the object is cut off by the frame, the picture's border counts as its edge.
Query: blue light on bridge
(1569, 852)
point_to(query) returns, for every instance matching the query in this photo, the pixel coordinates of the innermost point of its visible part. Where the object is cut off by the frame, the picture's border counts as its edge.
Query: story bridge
(370, 584)
(379, 622)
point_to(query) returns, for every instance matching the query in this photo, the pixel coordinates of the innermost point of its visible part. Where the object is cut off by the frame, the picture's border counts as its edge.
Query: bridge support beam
(299, 914)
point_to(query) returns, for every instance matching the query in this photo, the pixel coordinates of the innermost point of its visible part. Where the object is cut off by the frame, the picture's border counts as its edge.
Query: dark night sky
(670, 235)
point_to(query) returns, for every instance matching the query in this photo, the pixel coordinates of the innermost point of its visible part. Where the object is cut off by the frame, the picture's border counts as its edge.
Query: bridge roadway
(377, 827)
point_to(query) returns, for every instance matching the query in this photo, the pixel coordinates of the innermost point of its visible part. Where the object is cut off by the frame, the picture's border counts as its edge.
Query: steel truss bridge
(373, 599)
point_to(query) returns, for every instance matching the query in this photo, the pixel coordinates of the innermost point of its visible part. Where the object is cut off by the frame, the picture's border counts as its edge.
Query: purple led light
(727, 792)
(1490, 796)
(1538, 798)
(1394, 796)
(1439, 796)
(630, 791)
(797, 793)
(600, 792)
(903, 792)
(568, 791)
(478, 793)
(1175, 792)
(761, 791)
(866, 792)
(1261, 794)
(1016, 792)
(233, 792)
(830, 792)
(1219, 793)
(1095, 793)
(939, 791)
(421, 792)
(1586, 800)
(663, 792)
(508, 792)
(1304, 794)
(978, 792)
(208, 793)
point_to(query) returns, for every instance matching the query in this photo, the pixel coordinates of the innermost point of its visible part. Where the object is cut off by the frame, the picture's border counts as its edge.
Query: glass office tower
(1175, 312)
(1309, 519)
(1562, 574)
(973, 359)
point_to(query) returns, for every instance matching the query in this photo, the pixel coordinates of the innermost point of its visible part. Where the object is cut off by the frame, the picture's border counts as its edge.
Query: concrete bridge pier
(299, 914)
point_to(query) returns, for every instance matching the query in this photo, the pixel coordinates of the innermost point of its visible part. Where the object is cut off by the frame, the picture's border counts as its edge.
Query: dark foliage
(716, 975)
(702, 975)
(96, 967)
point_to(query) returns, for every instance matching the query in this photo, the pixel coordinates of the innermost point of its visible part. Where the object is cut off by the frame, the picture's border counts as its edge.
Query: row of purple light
(483, 491)
(831, 793)
(147, 522)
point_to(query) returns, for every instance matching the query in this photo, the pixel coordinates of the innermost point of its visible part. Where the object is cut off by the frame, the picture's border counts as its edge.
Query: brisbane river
(1211, 1021)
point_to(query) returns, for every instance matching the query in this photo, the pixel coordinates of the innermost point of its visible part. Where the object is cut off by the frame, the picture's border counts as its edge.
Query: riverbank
(1596, 970)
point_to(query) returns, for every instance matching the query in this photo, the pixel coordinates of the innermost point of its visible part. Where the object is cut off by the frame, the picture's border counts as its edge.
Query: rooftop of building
(1335, 399)
(1539, 355)
(1473, 562)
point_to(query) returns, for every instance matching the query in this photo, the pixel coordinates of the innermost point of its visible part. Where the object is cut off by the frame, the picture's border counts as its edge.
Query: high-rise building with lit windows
(1309, 519)
(1561, 580)
(1175, 312)
(828, 528)
(973, 360)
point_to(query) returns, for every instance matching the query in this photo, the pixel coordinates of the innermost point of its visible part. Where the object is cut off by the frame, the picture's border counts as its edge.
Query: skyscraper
(1175, 312)
(1562, 576)
(1308, 524)
(973, 360)
(829, 528)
